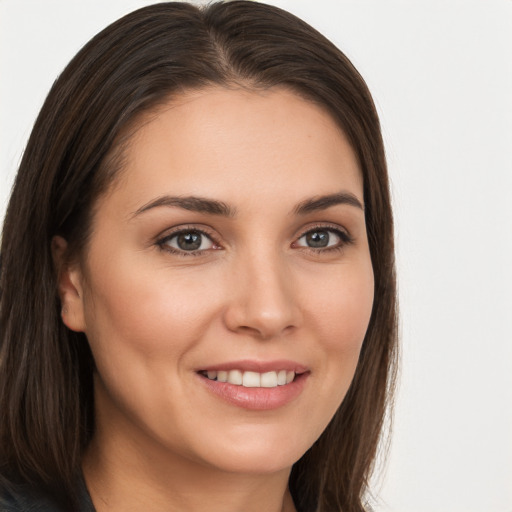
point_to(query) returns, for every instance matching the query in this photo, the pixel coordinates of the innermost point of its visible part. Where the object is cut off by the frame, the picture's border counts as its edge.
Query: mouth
(256, 386)
(250, 379)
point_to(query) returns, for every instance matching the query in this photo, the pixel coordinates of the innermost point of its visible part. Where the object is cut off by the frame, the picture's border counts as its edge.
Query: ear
(70, 287)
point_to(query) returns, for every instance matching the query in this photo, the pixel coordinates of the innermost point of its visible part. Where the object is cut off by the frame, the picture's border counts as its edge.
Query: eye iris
(317, 239)
(189, 241)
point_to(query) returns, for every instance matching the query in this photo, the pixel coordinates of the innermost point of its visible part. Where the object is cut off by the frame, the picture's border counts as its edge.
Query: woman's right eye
(190, 242)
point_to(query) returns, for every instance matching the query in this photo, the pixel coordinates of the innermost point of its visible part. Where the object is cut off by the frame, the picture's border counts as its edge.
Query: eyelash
(344, 236)
(162, 243)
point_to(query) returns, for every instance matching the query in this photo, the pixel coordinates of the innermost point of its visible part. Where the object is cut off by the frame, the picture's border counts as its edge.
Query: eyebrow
(323, 202)
(192, 203)
(215, 207)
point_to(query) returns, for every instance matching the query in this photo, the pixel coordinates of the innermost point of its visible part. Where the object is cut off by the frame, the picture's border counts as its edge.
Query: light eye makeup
(324, 238)
(194, 241)
(188, 241)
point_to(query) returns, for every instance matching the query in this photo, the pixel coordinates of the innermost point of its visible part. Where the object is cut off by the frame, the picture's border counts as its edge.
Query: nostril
(265, 331)
(263, 305)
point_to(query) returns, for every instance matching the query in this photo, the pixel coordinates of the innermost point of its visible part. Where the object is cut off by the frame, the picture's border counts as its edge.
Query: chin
(258, 464)
(258, 453)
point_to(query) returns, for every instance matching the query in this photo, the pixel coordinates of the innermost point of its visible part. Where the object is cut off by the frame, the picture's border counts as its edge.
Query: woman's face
(232, 247)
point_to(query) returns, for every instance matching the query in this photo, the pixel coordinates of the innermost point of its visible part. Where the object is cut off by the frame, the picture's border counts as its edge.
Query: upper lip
(248, 365)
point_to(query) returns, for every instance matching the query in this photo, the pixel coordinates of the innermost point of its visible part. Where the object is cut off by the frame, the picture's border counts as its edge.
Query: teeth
(252, 379)
(235, 377)
(269, 380)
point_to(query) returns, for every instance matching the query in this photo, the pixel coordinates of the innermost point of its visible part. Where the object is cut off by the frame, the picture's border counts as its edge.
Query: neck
(124, 477)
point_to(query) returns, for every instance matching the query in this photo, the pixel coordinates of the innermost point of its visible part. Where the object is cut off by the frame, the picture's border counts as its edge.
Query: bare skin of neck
(117, 484)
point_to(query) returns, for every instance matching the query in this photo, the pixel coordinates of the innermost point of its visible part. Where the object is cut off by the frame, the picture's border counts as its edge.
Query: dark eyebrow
(324, 202)
(192, 203)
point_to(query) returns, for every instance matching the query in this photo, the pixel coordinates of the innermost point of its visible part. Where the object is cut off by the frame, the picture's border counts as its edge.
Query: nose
(264, 300)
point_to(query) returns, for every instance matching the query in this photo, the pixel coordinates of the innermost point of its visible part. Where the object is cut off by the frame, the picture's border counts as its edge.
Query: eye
(190, 240)
(323, 238)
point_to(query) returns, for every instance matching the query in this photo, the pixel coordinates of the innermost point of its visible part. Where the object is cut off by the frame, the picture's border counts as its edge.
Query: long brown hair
(138, 62)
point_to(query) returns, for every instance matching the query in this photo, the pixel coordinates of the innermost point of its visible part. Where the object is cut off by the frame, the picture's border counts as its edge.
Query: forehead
(218, 141)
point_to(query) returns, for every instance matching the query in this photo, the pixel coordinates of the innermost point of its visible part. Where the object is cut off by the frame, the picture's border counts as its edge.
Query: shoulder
(22, 498)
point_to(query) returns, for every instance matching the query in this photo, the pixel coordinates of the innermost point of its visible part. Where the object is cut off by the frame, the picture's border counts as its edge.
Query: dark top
(21, 499)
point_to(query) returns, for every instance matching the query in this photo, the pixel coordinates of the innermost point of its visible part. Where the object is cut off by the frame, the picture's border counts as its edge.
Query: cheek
(343, 305)
(143, 322)
(145, 312)
(337, 306)
(341, 312)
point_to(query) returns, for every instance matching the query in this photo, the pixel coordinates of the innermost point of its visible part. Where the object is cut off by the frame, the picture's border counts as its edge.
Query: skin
(154, 315)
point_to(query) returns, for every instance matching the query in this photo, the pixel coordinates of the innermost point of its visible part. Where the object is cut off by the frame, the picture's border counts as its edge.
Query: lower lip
(257, 399)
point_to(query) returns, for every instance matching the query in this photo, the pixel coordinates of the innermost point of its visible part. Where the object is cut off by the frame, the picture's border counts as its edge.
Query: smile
(256, 385)
(249, 379)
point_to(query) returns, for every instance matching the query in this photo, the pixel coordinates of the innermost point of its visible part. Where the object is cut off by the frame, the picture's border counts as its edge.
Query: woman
(198, 291)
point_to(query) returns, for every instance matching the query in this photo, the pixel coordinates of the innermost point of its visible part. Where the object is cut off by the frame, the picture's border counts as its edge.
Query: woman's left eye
(323, 238)
(188, 241)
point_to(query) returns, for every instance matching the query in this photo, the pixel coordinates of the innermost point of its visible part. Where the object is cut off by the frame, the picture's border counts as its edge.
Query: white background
(441, 75)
